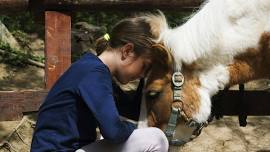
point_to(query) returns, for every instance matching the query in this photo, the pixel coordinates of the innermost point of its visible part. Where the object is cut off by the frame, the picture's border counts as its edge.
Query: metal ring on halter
(178, 79)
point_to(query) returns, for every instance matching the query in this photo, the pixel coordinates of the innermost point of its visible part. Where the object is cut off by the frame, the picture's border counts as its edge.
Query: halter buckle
(177, 79)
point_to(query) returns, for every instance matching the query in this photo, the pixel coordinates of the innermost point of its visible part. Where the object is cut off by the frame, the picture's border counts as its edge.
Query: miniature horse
(226, 42)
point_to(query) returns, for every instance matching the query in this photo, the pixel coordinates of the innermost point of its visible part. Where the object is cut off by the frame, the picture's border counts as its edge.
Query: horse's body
(226, 42)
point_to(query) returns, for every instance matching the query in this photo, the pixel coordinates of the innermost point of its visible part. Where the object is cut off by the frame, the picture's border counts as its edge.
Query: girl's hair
(134, 30)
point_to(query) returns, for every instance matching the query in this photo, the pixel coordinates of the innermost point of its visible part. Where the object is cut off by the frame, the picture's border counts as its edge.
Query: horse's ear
(162, 56)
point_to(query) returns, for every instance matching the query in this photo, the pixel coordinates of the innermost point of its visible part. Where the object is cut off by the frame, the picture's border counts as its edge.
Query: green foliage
(26, 24)
(106, 19)
(176, 18)
(17, 58)
(22, 38)
(20, 26)
(23, 22)
(110, 18)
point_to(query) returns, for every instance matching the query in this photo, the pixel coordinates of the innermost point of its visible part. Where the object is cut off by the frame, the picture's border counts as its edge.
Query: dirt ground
(224, 135)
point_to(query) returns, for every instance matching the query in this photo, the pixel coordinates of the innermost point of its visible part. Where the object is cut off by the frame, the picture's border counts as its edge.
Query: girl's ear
(127, 50)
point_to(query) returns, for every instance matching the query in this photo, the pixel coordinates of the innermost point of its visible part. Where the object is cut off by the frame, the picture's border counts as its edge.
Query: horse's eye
(152, 94)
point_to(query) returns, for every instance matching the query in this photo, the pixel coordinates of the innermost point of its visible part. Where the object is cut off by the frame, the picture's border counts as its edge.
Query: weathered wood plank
(121, 4)
(11, 6)
(14, 103)
(90, 5)
(57, 45)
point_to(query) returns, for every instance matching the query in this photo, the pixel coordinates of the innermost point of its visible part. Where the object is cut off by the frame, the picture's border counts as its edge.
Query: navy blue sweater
(80, 100)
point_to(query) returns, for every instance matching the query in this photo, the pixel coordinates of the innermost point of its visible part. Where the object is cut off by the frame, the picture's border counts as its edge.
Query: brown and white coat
(226, 42)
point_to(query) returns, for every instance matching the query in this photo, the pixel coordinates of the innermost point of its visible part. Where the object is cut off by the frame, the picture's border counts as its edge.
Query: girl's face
(132, 68)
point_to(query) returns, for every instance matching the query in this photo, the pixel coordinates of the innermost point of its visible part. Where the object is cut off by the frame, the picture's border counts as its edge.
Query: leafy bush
(22, 22)
(15, 57)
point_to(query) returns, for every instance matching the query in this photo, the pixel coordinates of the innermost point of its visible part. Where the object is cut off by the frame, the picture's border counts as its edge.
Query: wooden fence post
(57, 45)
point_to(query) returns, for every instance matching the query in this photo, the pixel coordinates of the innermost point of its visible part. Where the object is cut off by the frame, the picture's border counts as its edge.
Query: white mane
(220, 28)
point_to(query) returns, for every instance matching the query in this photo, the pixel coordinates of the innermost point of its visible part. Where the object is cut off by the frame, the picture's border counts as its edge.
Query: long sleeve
(96, 91)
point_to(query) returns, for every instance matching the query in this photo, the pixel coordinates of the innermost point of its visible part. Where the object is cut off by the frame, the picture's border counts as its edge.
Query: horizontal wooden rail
(14, 103)
(90, 5)
(256, 103)
(10, 6)
(121, 4)
(233, 102)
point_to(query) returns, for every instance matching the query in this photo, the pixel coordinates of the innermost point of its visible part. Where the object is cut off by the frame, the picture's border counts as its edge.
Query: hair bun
(101, 44)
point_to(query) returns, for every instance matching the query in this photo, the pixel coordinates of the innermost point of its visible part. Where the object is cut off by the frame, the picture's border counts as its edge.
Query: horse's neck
(197, 38)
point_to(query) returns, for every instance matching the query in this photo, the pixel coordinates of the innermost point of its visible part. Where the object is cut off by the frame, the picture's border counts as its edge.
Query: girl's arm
(96, 90)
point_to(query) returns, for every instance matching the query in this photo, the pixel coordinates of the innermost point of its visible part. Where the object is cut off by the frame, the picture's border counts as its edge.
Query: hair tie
(106, 37)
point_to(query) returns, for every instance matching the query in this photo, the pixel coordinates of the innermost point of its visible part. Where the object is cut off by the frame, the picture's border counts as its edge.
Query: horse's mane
(215, 30)
(197, 36)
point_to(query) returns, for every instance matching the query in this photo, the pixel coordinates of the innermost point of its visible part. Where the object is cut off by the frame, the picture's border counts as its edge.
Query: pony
(225, 42)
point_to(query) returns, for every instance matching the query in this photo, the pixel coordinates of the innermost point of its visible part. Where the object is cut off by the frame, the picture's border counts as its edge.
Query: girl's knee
(153, 138)
(160, 139)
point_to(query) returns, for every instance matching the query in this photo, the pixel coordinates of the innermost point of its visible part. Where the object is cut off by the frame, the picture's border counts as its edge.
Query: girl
(82, 99)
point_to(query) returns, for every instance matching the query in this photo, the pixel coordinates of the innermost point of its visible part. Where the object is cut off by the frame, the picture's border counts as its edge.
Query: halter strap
(178, 81)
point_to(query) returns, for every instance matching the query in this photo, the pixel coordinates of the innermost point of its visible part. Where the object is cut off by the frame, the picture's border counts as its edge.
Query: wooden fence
(57, 20)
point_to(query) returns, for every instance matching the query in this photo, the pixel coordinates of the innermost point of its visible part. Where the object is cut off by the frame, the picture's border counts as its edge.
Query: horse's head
(161, 94)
